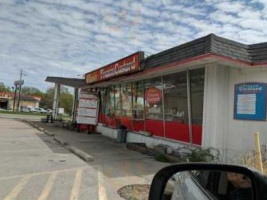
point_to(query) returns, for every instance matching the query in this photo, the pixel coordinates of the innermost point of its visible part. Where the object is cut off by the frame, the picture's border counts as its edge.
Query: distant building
(7, 100)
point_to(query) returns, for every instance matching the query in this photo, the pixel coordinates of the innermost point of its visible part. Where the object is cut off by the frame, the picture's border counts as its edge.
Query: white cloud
(66, 38)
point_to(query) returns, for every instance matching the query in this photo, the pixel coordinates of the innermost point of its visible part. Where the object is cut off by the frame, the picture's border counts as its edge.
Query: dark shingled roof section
(256, 53)
(72, 82)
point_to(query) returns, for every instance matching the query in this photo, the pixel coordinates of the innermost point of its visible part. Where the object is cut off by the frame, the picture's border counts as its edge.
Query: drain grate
(134, 192)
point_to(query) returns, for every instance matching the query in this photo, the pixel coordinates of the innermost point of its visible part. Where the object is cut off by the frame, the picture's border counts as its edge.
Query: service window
(108, 102)
(175, 97)
(153, 106)
(197, 94)
(126, 100)
(153, 98)
(138, 100)
(117, 100)
(176, 106)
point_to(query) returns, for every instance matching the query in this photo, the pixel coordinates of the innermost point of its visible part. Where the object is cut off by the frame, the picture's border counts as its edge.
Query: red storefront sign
(153, 95)
(126, 65)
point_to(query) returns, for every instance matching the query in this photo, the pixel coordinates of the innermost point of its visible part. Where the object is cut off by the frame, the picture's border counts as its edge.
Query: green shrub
(161, 158)
(204, 155)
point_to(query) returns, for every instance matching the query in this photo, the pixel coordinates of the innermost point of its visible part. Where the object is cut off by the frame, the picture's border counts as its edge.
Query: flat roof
(210, 45)
(71, 82)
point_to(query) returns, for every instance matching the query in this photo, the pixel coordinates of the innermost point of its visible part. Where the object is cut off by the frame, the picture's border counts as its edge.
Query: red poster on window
(153, 95)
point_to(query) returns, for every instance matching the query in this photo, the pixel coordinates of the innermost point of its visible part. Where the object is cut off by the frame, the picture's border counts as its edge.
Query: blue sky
(71, 37)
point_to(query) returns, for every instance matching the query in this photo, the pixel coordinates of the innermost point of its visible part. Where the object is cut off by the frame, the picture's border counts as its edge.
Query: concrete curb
(48, 133)
(86, 157)
(60, 141)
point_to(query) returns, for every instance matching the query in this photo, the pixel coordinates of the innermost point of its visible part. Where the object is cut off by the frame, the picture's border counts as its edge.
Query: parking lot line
(76, 186)
(18, 188)
(102, 195)
(46, 191)
(42, 173)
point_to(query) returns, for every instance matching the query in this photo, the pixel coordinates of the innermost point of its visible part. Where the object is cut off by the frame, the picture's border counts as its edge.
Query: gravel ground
(134, 192)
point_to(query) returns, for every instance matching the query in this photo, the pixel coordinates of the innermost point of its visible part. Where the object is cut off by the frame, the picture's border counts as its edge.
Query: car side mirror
(204, 181)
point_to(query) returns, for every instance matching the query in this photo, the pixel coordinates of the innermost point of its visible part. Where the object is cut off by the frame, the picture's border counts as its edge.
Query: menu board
(87, 109)
(250, 101)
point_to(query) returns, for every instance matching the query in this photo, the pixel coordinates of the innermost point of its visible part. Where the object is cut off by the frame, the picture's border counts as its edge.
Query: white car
(41, 110)
(31, 109)
(49, 111)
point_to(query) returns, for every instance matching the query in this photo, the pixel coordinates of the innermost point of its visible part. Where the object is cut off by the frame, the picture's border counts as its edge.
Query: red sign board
(126, 65)
(153, 95)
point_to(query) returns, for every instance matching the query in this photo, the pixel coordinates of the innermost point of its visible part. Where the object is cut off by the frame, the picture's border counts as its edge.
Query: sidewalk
(119, 165)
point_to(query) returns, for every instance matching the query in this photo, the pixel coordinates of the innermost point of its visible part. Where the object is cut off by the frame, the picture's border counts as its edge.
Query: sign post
(87, 109)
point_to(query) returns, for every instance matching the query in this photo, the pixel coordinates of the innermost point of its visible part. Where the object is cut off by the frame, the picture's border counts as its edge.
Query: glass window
(175, 97)
(126, 100)
(153, 98)
(138, 100)
(197, 97)
(176, 107)
(197, 94)
(108, 102)
(117, 100)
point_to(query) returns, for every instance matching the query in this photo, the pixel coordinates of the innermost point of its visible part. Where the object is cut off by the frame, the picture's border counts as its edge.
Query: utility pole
(20, 83)
(14, 101)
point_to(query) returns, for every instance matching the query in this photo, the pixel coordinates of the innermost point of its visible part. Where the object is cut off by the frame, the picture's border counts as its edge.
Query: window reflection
(138, 100)
(197, 94)
(117, 100)
(126, 100)
(175, 97)
(153, 98)
(176, 106)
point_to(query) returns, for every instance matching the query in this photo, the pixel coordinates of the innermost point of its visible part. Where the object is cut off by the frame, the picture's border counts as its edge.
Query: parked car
(49, 111)
(41, 110)
(206, 181)
(31, 109)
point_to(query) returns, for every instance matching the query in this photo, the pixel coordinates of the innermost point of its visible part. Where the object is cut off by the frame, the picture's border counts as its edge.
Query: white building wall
(241, 132)
(215, 106)
(220, 129)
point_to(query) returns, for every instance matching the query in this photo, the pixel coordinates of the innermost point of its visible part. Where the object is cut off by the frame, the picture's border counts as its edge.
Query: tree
(4, 88)
(31, 91)
(65, 99)
(47, 99)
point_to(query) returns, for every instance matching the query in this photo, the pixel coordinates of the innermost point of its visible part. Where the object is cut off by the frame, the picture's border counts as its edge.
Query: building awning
(71, 82)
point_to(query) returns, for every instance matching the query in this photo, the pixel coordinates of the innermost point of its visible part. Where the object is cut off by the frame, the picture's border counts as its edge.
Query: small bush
(161, 158)
(204, 155)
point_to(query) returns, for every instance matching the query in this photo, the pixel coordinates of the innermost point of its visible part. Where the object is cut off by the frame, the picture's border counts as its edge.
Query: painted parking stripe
(76, 186)
(101, 185)
(46, 191)
(42, 173)
(18, 188)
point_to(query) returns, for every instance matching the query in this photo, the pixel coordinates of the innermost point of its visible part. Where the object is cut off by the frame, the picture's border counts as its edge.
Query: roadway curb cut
(80, 154)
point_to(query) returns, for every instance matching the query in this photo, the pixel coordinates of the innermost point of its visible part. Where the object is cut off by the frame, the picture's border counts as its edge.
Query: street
(20, 116)
(34, 166)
